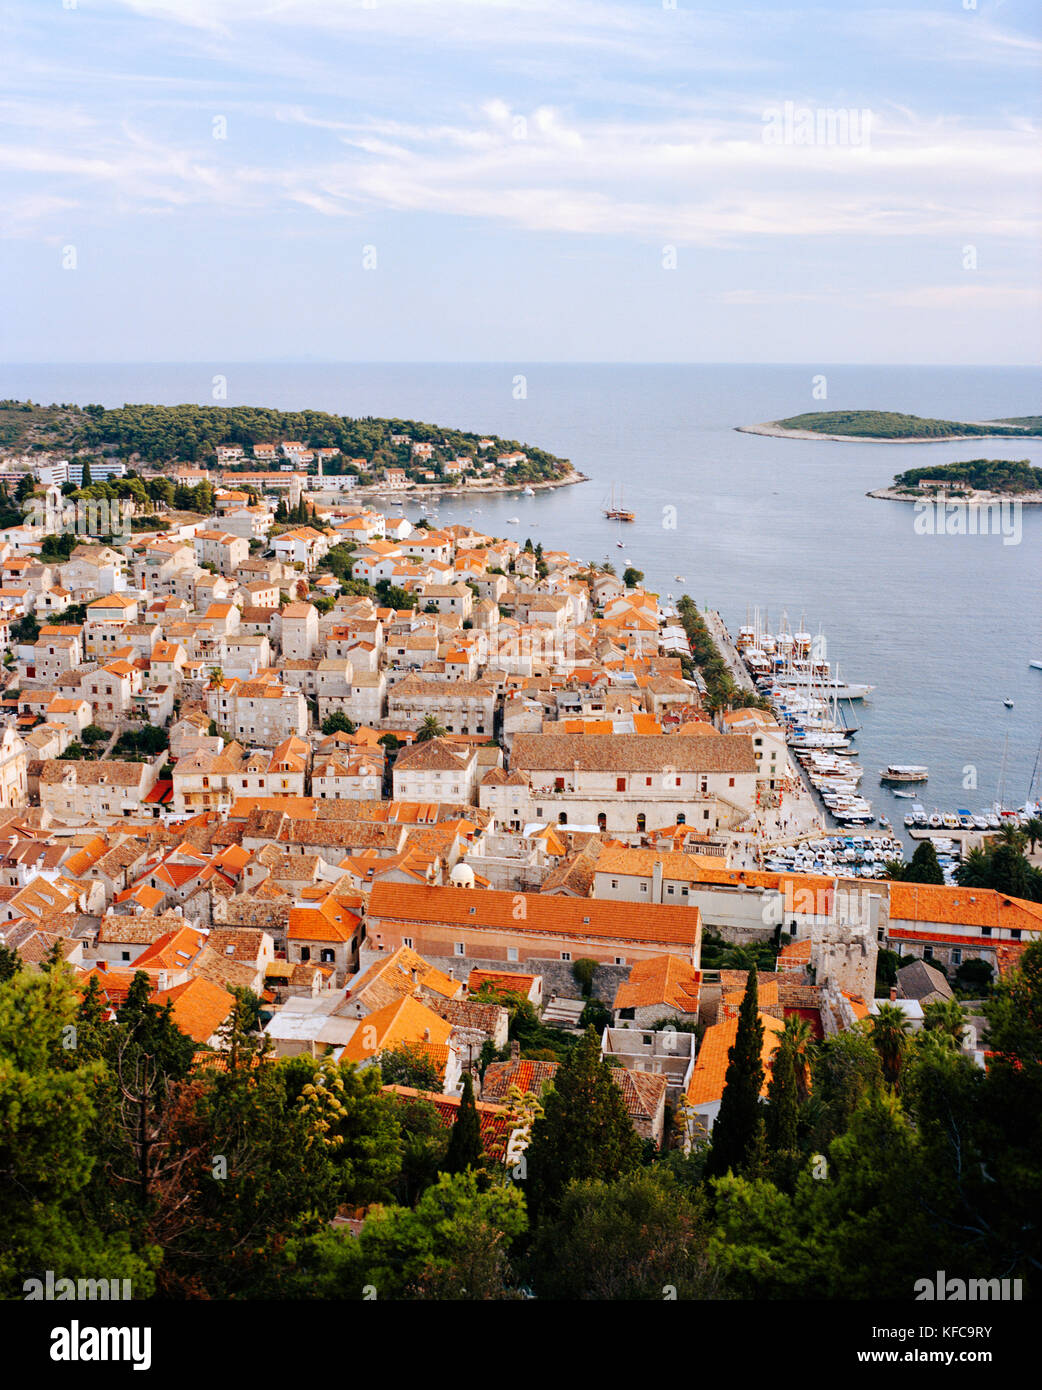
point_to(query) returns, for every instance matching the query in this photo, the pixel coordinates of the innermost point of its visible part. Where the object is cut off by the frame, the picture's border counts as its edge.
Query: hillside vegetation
(889, 424)
(191, 433)
(990, 475)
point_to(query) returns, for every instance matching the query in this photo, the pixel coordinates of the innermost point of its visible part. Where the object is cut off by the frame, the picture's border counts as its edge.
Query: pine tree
(738, 1131)
(465, 1149)
(585, 1130)
(87, 479)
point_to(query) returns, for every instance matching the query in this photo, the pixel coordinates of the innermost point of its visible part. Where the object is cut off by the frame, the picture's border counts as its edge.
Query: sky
(521, 180)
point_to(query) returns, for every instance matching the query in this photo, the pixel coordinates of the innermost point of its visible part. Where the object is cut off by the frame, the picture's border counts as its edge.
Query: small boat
(621, 545)
(682, 579)
(1035, 665)
(528, 492)
(904, 772)
(935, 822)
(1008, 704)
(513, 521)
(905, 795)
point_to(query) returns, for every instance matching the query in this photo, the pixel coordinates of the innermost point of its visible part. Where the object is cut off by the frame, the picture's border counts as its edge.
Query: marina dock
(722, 638)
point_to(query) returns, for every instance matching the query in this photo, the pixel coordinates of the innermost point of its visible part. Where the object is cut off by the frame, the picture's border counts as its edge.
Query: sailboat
(617, 513)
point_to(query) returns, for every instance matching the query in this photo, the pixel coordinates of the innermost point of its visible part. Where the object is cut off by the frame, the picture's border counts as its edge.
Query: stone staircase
(565, 1012)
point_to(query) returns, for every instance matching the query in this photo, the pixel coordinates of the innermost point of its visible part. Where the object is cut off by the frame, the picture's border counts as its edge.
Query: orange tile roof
(663, 979)
(707, 1079)
(329, 921)
(403, 1022)
(199, 1006)
(543, 912)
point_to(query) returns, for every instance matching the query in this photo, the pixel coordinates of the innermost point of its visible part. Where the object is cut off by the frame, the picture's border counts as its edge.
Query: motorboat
(904, 772)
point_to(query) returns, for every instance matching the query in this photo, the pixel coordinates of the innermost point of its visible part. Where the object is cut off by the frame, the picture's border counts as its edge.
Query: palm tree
(216, 677)
(1033, 831)
(946, 1019)
(890, 1038)
(975, 870)
(800, 1041)
(430, 728)
(1012, 835)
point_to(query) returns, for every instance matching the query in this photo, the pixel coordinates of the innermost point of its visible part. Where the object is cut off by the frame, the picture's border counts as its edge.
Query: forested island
(893, 427)
(1015, 479)
(161, 434)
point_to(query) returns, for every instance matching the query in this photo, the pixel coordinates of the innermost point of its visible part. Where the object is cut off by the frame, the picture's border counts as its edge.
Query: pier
(728, 651)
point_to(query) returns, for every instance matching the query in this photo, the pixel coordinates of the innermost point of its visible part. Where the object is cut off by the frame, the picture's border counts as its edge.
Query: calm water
(943, 626)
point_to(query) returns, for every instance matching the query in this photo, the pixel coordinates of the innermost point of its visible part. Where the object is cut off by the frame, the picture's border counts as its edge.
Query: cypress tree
(87, 479)
(738, 1131)
(585, 1130)
(783, 1112)
(465, 1150)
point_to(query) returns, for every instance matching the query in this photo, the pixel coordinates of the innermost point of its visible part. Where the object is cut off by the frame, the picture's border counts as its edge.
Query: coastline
(777, 432)
(476, 490)
(973, 499)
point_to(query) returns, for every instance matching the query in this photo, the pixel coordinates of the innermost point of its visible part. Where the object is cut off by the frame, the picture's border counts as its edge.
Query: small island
(977, 480)
(368, 452)
(891, 427)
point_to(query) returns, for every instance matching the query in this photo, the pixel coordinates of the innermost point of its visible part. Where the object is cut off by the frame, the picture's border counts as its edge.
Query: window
(620, 960)
(927, 953)
(328, 955)
(512, 953)
(1015, 934)
(566, 955)
(985, 931)
(705, 815)
(407, 941)
(647, 781)
(730, 781)
(684, 892)
(620, 784)
(643, 886)
(669, 889)
(305, 953)
(956, 956)
(125, 955)
(459, 949)
(615, 883)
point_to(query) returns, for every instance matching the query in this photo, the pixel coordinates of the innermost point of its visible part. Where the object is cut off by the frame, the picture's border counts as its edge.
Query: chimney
(656, 882)
(426, 1035)
(893, 993)
(515, 1051)
(415, 976)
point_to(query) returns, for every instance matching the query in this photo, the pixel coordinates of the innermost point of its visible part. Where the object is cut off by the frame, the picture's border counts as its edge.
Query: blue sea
(943, 626)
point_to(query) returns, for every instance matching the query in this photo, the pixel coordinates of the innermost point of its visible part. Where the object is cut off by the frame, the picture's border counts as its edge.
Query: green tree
(628, 1238)
(584, 1131)
(739, 1128)
(465, 1147)
(583, 972)
(409, 1066)
(430, 728)
(48, 1099)
(452, 1246)
(890, 1039)
(783, 1114)
(86, 479)
(924, 867)
(338, 723)
(632, 577)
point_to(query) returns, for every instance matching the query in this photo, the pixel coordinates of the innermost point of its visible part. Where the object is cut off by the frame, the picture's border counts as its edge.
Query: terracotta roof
(666, 980)
(199, 1006)
(547, 913)
(404, 1022)
(726, 753)
(707, 1078)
